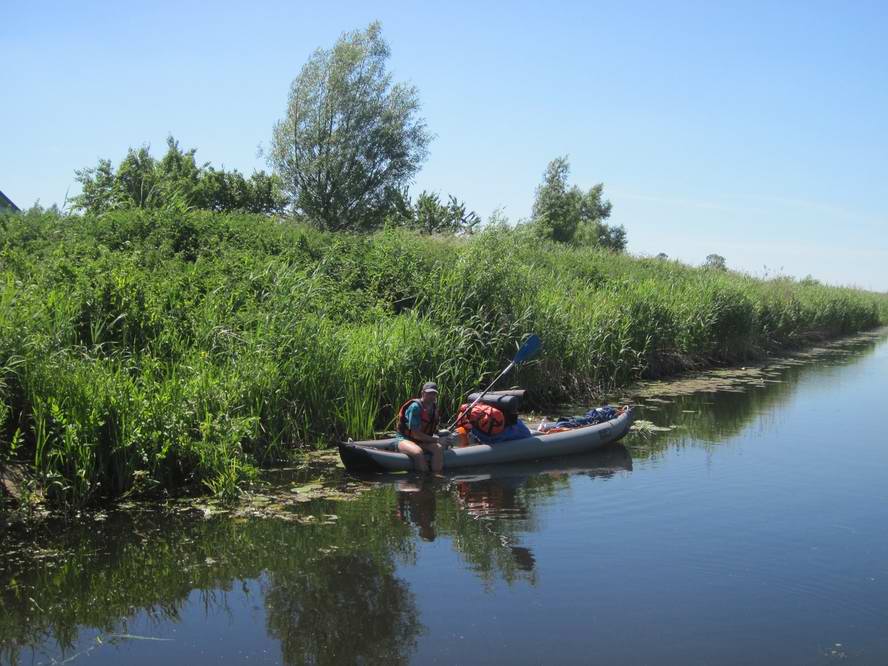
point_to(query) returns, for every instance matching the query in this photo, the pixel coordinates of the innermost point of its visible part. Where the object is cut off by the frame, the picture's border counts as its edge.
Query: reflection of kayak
(600, 462)
(383, 456)
(603, 462)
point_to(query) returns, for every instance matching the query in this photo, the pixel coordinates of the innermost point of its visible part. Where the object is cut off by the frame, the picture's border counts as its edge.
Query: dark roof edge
(6, 200)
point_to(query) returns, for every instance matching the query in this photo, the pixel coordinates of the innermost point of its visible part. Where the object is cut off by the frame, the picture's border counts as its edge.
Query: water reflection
(717, 405)
(416, 504)
(510, 491)
(486, 513)
(330, 591)
(348, 609)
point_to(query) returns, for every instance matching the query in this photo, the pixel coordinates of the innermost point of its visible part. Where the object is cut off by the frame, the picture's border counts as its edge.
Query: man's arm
(420, 437)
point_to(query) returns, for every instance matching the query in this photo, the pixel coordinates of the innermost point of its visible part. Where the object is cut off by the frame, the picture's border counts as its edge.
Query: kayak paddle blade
(530, 347)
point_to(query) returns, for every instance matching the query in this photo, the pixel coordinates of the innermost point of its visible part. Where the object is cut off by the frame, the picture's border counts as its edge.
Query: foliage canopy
(569, 215)
(174, 182)
(715, 262)
(430, 215)
(350, 139)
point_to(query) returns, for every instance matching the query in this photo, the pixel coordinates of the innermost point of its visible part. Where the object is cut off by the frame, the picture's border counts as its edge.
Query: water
(753, 531)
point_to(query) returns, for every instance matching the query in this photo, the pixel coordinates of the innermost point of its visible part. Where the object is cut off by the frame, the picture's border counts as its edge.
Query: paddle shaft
(528, 349)
(468, 410)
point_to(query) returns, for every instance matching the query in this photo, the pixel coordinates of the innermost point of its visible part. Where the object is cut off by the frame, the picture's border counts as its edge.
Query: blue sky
(755, 131)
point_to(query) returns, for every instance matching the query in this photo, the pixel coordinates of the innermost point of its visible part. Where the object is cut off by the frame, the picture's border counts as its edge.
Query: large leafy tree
(351, 139)
(570, 215)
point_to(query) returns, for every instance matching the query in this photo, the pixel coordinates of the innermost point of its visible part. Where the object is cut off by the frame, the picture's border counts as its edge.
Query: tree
(97, 188)
(140, 181)
(569, 215)
(715, 262)
(430, 215)
(351, 139)
(556, 209)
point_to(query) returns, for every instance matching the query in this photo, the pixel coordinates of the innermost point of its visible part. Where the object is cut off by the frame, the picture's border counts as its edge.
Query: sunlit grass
(183, 352)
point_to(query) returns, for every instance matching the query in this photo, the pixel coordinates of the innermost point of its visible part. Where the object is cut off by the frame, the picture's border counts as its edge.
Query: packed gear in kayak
(482, 418)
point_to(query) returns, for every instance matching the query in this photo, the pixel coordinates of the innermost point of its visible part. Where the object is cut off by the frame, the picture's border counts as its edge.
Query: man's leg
(416, 454)
(437, 452)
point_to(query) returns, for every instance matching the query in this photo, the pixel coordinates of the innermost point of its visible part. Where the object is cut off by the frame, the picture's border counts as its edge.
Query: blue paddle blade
(530, 347)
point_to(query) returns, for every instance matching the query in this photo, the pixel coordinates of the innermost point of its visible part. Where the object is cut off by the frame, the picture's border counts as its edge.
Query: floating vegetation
(282, 503)
(647, 428)
(708, 407)
(734, 380)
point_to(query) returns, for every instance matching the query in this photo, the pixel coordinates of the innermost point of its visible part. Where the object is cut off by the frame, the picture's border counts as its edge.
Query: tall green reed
(166, 351)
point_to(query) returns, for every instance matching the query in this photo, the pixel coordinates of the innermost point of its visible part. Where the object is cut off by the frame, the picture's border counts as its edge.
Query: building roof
(6, 202)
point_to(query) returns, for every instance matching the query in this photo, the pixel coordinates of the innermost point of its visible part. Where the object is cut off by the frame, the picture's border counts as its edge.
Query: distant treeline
(147, 350)
(350, 143)
(176, 183)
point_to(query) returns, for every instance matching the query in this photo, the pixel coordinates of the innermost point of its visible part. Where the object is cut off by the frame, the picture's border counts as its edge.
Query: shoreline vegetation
(148, 352)
(179, 332)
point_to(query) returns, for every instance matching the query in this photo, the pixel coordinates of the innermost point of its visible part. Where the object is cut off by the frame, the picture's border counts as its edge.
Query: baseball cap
(430, 386)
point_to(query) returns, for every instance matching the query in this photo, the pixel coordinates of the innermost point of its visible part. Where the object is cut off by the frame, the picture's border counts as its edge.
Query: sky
(757, 131)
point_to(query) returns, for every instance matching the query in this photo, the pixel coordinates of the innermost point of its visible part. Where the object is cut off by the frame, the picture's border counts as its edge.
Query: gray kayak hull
(383, 456)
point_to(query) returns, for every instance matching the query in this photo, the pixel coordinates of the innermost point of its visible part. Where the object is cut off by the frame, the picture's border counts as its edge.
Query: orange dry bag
(484, 418)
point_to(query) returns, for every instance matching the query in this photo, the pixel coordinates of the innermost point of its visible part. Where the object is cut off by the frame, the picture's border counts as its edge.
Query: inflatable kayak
(382, 455)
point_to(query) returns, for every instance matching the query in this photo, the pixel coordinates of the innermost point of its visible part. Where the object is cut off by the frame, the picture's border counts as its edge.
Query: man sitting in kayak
(418, 427)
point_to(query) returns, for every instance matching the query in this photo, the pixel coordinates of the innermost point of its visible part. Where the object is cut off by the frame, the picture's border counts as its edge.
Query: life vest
(485, 418)
(429, 418)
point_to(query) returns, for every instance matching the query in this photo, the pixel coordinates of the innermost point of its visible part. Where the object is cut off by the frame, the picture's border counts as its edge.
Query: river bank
(149, 354)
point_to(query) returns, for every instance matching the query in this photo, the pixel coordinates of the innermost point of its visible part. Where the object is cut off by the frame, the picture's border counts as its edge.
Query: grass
(166, 352)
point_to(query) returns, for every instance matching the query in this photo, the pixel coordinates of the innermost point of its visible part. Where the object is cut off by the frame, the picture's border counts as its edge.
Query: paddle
(530, 347)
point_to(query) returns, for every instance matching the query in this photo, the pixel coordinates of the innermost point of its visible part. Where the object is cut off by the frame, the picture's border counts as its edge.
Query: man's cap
(430, 386)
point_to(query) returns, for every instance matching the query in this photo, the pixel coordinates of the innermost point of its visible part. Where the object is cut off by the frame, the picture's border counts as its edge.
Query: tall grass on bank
(144, 352)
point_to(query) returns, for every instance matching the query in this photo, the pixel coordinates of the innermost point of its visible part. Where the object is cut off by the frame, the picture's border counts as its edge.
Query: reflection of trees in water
(150, 564)
(348, 609)
(486, 514)
(486, 545)
(97, 577)
(486, 520)
(716, 415)
(331, 593)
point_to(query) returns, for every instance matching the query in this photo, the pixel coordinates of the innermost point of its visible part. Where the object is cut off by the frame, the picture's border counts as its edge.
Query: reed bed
(160, 352)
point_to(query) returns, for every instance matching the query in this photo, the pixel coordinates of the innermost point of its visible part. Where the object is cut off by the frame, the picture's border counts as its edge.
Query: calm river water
(754, 530)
